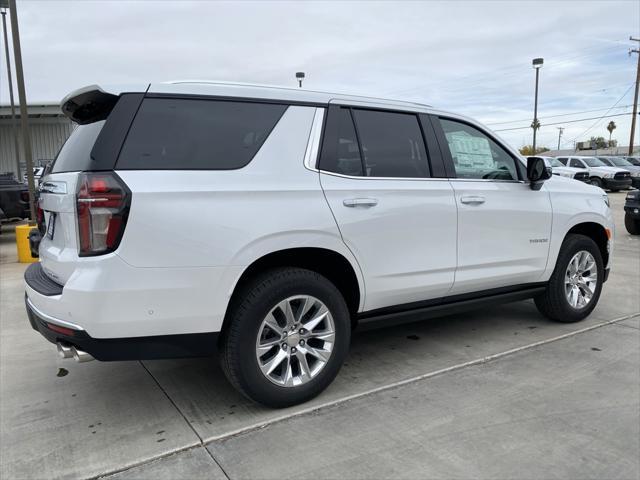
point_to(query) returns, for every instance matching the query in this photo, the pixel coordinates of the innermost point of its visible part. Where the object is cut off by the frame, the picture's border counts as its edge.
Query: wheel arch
(328, 263)
(595, 231)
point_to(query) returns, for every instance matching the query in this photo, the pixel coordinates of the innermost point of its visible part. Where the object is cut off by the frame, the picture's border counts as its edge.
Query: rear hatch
(82, 204)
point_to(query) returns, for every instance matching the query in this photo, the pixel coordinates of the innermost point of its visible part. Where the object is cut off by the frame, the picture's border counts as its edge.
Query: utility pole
(560, 130)
(635, 97)
(14, 128)
(24, 115)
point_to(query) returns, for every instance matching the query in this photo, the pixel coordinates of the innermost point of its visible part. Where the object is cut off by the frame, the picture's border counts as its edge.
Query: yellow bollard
(22, 242)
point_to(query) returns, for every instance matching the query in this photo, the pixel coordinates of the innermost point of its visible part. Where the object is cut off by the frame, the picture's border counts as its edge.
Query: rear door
(504, 227)
(397, 218)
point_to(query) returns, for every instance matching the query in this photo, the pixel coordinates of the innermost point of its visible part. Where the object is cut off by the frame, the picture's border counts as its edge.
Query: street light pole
(537, 64)
(635, 97)
(24, 115)
(14, 128)
(560, 130)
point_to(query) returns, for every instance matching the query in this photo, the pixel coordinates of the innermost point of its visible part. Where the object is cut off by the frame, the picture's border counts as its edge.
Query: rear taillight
(24, 196)
(40, 217)
(102, 205)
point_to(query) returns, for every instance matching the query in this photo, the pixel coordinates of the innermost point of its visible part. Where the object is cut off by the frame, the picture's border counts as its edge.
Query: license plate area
(51, 225)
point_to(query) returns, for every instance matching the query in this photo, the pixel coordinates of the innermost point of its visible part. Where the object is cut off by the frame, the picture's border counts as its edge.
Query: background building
(49, 129)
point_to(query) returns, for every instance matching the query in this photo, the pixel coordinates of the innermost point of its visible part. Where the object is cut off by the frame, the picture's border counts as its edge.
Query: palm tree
(611, 127)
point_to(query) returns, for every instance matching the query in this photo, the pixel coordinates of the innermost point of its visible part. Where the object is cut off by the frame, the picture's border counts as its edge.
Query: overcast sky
(473, 57)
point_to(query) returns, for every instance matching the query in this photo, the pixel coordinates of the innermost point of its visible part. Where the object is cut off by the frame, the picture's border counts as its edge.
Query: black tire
(632, 224)
(553, 303)
(245, 316)
(597, 182)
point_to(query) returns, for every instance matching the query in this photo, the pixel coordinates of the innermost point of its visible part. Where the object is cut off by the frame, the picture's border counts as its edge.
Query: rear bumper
(615, 184)
(110, 349)
(109, 298)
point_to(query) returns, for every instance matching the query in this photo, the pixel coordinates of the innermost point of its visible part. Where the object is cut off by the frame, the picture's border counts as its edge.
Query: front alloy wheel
(581, 279)
(575, 284)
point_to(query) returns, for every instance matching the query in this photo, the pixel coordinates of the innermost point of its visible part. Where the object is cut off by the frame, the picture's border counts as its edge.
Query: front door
(504, 227)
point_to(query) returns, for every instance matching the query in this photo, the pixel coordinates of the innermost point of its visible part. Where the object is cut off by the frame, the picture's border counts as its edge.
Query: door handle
(360, 202)
(472, 199)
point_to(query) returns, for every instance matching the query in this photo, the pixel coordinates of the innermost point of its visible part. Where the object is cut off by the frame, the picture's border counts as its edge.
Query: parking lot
(497, 393)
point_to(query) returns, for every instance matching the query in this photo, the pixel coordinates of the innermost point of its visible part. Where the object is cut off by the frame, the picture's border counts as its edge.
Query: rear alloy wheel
(286, 337)
(575, 285)
(295, 341)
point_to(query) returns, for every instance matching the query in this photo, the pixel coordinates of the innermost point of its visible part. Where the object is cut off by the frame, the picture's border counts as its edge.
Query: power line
(568, 121)
(519, 70)
(605, 115)
(558, 115)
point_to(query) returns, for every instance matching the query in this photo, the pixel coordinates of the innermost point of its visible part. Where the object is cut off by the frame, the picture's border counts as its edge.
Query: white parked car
(270, 222)
(600, 174)
(558, 168)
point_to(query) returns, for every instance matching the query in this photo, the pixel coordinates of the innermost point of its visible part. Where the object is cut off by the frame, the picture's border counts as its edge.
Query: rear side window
(340, 152)
(392, 144)
(75, 154)
(380, 144)
(186, 134)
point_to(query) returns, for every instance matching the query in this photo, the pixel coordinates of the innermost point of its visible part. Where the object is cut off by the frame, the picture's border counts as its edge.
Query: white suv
(269, 222)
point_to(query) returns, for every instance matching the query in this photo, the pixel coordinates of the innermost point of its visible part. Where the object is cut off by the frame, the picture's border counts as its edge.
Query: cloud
(469, 56)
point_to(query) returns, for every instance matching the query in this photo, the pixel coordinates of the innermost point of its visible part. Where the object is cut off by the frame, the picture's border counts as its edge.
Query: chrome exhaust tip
(80, 356)
(64, 351)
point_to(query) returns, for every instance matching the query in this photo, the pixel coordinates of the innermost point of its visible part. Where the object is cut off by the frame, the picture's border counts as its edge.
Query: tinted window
(182, 134)
(75, 154)
(340, 152)
(574, 162)
(563, 160)
(475, 155)
(392, 144)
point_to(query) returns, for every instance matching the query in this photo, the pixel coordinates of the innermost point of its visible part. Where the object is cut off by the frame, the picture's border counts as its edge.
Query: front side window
(190, 134)
(475, 155)
(574, 162)
(392, 144)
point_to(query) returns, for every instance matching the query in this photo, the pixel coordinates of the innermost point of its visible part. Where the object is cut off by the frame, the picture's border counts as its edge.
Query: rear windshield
(190, 134)
(75, 154)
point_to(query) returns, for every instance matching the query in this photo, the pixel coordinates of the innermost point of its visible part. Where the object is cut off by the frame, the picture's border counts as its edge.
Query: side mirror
(537, 172)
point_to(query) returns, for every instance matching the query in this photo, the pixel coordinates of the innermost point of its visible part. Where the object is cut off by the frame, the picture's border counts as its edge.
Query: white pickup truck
(600, 174)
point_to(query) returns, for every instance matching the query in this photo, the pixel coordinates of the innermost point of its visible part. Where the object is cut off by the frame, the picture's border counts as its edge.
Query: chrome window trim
(313, 144)
(354, 177)
(49, 318)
